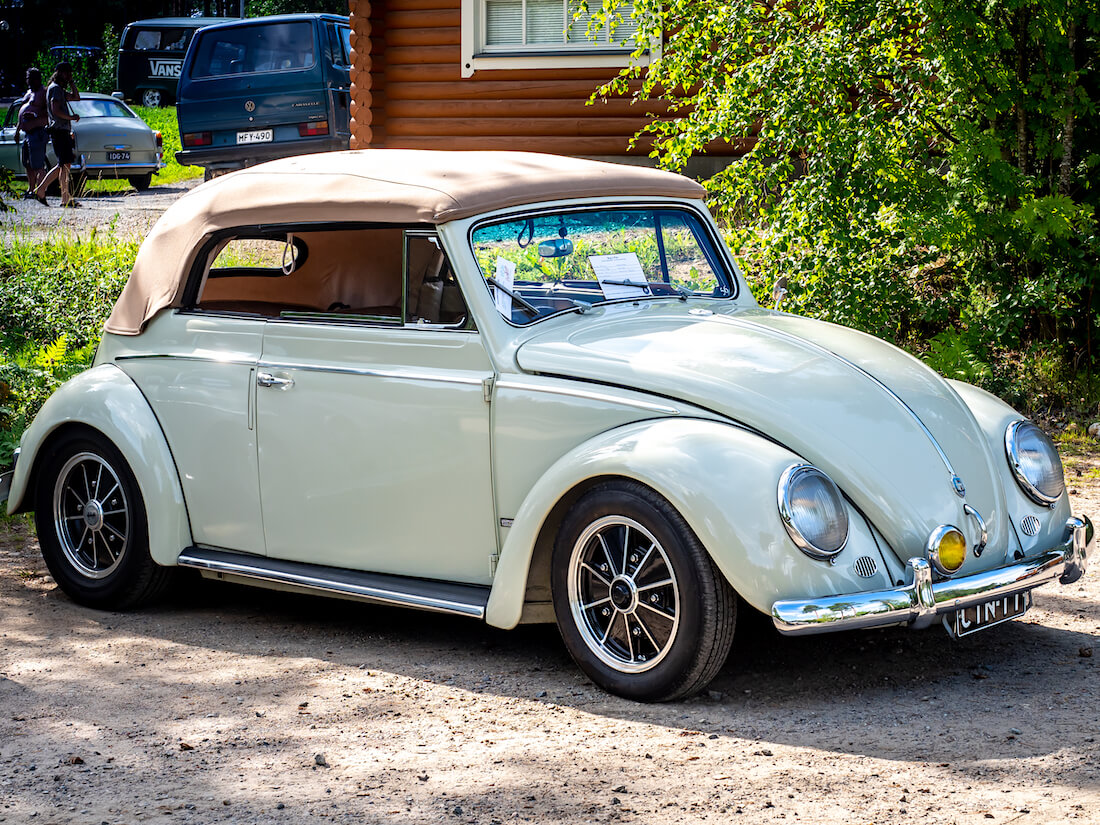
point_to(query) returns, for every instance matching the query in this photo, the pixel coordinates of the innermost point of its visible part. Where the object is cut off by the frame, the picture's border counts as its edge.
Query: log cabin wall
(408, 92)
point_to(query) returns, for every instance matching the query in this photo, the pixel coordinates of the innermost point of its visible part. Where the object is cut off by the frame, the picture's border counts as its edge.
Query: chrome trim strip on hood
(825, 351)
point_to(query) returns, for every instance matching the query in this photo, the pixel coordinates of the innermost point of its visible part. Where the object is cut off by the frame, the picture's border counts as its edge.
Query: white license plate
(979, 617)
(259, 136)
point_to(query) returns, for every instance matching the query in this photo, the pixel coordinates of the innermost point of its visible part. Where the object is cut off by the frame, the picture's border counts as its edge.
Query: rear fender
(721, 478)
(105, 399)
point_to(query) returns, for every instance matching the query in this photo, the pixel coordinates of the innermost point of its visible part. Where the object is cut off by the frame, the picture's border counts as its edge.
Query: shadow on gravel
(1019, 690)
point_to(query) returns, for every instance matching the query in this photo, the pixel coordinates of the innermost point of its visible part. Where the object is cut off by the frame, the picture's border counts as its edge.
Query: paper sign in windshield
(620, 275)
(506, 277)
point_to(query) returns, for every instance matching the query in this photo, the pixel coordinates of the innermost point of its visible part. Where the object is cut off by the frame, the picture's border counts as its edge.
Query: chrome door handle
(266, 379)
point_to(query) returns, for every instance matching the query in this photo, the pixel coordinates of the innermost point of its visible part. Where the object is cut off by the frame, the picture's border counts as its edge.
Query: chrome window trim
(1012, 453)
(786, 481)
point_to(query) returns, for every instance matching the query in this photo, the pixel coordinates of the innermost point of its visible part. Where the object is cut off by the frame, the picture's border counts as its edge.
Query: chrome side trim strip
(333, 581)
(406, 375)
(920, 602)
(825, 351)
(591, 396)
(199, 358)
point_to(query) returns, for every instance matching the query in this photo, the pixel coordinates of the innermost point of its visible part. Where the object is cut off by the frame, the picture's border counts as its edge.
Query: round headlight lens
(947, 549)
(1035, 462)
(813, 511)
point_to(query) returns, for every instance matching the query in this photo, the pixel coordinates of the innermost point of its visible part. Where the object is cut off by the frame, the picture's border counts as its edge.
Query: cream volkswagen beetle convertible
(525, 388)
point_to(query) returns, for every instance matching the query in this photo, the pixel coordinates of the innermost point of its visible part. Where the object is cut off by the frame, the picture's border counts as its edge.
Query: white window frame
(476, 57)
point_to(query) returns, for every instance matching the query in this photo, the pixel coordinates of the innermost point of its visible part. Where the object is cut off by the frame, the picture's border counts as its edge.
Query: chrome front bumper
(921, 602)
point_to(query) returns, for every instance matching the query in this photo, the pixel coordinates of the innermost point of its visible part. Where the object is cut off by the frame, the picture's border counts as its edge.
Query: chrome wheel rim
(623, 594)
(91, 515)
(151, 98)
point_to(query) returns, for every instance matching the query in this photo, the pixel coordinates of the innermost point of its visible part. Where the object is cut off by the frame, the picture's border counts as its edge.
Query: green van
(268, 87)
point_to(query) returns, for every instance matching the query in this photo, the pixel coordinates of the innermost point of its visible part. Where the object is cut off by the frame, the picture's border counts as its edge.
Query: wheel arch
(700, 467)
(106, 401)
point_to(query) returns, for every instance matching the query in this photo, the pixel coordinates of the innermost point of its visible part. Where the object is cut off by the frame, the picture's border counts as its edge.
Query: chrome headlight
(1034, 461)
(813, 511)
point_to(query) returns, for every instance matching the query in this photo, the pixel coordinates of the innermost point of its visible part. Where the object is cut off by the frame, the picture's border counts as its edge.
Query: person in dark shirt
(32, 124)
(60, 129)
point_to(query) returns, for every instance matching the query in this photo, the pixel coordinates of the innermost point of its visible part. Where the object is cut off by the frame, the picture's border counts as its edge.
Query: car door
(9, 149)
(373, 434)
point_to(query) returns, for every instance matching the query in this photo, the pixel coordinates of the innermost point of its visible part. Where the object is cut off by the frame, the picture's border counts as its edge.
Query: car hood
(890, 431)
(116, 131)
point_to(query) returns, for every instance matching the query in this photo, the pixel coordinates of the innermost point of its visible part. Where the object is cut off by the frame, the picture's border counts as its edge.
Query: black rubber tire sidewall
(129, 583)
(677, 674)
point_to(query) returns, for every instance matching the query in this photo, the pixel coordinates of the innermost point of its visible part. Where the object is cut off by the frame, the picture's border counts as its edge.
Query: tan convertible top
(399, 186)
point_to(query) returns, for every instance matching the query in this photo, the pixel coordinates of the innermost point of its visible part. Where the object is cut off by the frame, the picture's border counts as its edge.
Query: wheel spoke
(121, 536)
(69, 488)
(661, 583)
(596, 573)
(87, 484)
(645, 558)
(610, 625)
(645, 630)
(596, 603)
(607, 553)
(658, 611)
(629, 637)
(626, 553)
(98, 479)
(110, 493)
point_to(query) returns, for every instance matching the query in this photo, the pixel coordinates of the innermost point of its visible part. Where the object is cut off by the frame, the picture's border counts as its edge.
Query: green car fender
(105, 399)
(721, 478)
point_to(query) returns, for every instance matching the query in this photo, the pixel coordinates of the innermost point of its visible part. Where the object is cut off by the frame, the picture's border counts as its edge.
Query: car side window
(387, 275)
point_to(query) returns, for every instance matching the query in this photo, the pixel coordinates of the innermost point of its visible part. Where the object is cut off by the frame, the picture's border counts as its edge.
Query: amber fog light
(947, 549)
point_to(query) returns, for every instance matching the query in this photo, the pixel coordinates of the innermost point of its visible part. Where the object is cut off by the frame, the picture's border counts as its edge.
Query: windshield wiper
(643, 286)
(524, 304)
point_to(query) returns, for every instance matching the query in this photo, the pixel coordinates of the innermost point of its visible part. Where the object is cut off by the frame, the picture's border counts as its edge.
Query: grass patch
(55, 295)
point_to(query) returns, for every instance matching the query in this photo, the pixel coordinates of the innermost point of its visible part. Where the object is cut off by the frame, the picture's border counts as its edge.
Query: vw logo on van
(250, 105)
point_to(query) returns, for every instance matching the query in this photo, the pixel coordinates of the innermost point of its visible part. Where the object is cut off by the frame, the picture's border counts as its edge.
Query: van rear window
(265, 47)
(174, 40)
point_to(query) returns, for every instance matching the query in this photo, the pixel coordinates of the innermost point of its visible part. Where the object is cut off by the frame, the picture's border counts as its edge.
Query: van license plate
(979, 617)
(116, 156)
(259, 136)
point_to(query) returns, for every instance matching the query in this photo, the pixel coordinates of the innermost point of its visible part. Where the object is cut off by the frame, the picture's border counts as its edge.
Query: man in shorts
(32, 124)
(60, 129)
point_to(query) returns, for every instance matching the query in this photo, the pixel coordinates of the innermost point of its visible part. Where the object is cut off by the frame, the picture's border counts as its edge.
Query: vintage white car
(525, 388)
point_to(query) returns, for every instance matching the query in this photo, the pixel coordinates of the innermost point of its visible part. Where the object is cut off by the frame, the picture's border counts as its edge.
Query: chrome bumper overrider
(921, 602)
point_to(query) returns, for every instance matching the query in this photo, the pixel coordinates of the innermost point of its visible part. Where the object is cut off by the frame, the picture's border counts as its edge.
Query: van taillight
(320, 127)
(198, 139)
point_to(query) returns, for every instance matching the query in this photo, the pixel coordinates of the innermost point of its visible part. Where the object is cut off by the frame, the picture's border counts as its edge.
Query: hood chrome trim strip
(825, 351)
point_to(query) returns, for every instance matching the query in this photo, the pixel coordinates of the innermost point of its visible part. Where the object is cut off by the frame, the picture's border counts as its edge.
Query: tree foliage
(910, 164)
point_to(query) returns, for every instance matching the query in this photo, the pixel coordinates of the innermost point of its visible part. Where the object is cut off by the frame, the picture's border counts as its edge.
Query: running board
(422, 594)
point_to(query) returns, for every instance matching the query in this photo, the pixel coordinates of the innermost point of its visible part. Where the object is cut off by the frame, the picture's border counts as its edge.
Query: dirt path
(234, 705)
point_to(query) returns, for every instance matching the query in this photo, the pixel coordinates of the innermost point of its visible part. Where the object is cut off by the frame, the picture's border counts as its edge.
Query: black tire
(152, 98)
(141, 182)
(92, 526)
(660, 641)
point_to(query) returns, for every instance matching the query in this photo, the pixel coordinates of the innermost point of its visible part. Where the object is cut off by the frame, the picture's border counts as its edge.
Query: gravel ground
(229, 704)
(127, 214)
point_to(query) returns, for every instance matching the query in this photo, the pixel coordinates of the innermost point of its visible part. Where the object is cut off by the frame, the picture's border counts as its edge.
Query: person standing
(32, 123)
(60, 129)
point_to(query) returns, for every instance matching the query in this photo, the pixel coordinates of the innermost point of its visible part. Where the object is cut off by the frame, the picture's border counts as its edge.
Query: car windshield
(543, 264)
(99, 108)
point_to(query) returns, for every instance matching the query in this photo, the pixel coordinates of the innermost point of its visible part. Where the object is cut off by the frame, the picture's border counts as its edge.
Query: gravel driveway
(127, 214)
(235, 705)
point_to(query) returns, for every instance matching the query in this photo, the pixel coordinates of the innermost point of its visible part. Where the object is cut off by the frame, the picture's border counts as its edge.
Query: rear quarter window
(266, 47)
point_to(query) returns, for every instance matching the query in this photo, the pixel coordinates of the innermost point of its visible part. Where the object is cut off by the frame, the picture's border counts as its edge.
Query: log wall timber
(408, 92)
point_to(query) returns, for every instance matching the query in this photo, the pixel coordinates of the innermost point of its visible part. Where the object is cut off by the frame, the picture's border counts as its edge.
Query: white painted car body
(450, 455)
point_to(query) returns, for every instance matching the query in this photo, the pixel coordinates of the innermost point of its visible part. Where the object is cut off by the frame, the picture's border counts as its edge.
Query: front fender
(722, 479)
(105, 399)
